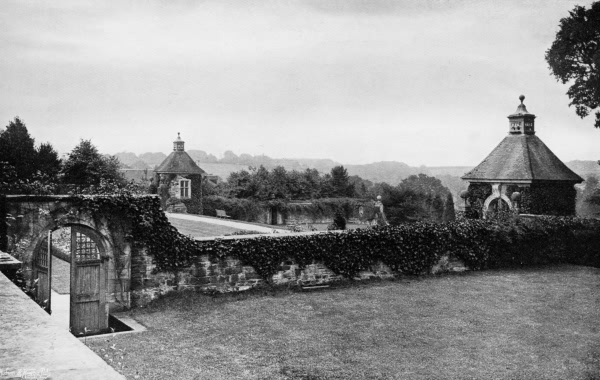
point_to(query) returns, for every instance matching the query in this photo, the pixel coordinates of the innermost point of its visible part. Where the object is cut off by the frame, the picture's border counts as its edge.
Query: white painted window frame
(185, 185)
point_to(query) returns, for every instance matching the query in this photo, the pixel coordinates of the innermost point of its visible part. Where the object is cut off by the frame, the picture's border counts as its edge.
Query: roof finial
(521, 98)
(180, 136)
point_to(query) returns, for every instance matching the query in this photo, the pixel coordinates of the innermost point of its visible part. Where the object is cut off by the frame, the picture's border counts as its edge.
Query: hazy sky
(358, 81)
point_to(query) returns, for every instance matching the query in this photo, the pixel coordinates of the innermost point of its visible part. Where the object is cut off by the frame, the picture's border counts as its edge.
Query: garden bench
(222, 214)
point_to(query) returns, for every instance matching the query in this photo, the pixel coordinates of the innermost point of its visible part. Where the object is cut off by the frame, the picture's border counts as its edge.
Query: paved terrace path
(223, 222)
(31, 343)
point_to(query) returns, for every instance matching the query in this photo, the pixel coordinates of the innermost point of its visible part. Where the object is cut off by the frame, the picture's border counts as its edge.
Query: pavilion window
(184, 188)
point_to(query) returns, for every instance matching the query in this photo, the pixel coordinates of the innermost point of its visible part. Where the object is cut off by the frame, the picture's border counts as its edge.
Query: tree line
(29, 169)
(417, 197)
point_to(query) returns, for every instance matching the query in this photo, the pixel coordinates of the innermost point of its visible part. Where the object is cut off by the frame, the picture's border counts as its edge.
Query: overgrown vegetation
(407, 248)
(410, 248)
(261, 184)
(588, 199)
(574, 58)
(27, 169)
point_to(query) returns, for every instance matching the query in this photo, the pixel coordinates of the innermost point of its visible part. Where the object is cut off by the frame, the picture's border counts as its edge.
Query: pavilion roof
(179, 162)
(522, 158)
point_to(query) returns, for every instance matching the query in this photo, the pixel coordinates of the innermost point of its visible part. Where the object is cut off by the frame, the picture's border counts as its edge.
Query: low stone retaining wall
(230, 275)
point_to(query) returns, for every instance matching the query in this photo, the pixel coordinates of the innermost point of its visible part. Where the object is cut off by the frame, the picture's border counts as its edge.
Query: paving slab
(32, 344)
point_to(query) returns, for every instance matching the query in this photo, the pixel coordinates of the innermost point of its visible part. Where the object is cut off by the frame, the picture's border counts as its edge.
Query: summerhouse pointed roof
(179, 162)
(521, 157)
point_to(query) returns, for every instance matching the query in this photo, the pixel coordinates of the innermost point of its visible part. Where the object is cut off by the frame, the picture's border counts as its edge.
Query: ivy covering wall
(540, 198)
(313, 210)
(410, 248)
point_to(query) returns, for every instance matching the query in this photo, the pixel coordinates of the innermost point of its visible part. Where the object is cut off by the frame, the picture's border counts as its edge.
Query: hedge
(239, 209)
(409, 248)
(415, 248)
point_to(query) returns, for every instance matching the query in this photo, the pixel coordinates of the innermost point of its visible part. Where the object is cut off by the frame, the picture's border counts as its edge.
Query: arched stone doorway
(496, 202)
(88, 257)
(496, 206)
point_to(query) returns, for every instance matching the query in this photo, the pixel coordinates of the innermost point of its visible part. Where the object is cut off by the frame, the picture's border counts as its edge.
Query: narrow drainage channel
(118, 325)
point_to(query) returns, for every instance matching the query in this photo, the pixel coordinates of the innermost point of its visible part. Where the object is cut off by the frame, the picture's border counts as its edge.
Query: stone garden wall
(230, 275)
(31, 217)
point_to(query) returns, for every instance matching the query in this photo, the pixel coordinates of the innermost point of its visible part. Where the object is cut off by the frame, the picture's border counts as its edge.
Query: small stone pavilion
(521, 174)
(178, 178)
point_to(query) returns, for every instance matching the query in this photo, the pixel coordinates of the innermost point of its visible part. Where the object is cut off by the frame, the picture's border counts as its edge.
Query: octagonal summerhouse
(521, 174)
(178, 178)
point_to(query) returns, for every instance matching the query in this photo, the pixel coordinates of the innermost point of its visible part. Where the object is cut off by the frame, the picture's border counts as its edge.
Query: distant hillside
(153, 159)
(585, 169)
(221, 170)
(391, 172)
(457, 171)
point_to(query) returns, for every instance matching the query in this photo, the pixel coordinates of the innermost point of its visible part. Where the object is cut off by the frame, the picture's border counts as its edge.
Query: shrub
(339, 221)
(240, 209)
(193, 205)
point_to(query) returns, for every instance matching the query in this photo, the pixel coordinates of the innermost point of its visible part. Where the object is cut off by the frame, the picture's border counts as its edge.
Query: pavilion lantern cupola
(178, 145)
(522, 121)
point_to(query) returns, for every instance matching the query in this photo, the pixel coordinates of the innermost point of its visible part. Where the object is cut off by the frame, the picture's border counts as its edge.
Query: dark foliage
(340, 183)
(86, 167)
(409, 248)
(17, 148)
(25, 169)
(449, 214)
(339, 221)
(574, 57)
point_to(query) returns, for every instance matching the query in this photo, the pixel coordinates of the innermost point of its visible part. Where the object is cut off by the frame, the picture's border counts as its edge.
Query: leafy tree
(260, 183)
(361, 186)
(230, 157)
(17, 149)
(449, 213)
(313, 183)
(86, 167)
(423, 184)
(340, 182)
(47, 160)
(415, 198)
(575, 57)
(327, 190)
(400, 205)
(237, 185)
(437, 208)
(247, 159)
(588, 199)
(25, 169)
(278, 183)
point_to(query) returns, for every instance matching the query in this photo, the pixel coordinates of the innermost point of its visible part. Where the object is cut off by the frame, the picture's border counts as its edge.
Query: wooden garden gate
(42, 273)
(89, 309)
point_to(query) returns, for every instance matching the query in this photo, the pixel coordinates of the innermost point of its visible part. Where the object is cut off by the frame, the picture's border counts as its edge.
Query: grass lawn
(200, 229)
(541, 323)
(61, 276)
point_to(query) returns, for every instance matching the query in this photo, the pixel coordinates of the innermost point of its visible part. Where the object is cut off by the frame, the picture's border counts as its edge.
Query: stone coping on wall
(30, 344)
(271, 235)
(41, 198)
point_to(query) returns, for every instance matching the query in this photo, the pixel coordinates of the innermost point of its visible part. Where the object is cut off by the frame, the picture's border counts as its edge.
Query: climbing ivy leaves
(408, 248)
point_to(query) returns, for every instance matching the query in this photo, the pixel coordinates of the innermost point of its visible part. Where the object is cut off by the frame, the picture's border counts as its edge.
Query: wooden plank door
(89, 310)
(42, 273)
